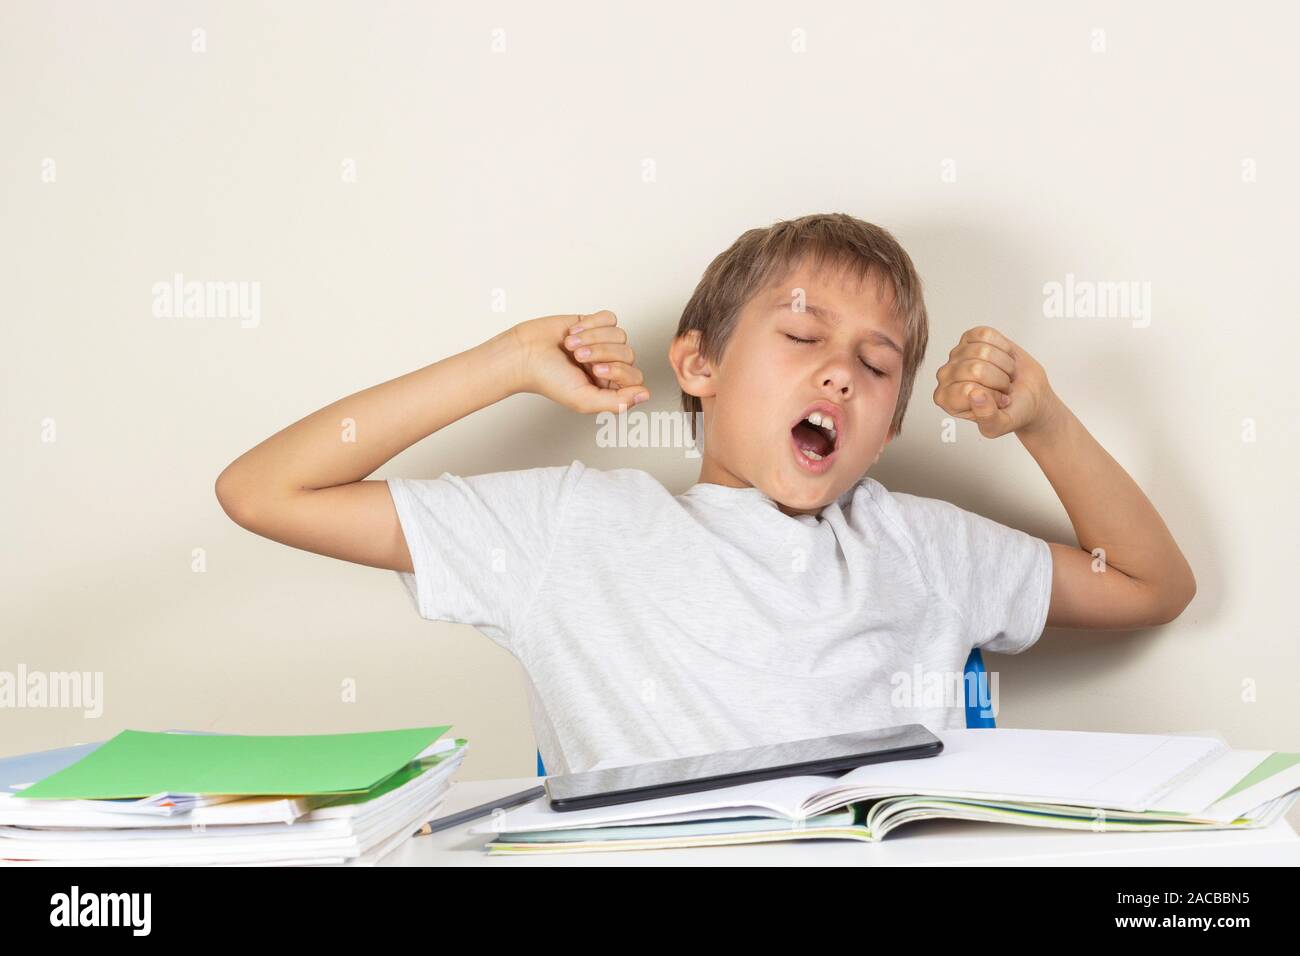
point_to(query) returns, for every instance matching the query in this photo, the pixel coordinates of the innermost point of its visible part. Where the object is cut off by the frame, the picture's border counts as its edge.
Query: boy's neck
(713, 473)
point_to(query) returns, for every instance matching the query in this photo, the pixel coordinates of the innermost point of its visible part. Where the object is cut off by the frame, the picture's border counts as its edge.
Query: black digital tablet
(789, 758)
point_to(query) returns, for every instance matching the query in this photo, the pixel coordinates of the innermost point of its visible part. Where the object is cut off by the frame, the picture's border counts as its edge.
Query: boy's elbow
(1177, 600)
(233, 501)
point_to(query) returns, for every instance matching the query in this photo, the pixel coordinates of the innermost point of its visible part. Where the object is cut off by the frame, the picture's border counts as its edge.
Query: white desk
(927, 843)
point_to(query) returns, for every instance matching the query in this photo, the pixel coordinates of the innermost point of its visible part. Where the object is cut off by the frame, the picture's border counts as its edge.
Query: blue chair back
(976, 715)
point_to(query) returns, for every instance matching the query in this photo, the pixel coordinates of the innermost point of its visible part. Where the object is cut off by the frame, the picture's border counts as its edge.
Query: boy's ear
(694, 372)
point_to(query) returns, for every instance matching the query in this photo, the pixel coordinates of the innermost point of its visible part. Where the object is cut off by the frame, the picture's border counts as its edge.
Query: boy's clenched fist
(990, 380)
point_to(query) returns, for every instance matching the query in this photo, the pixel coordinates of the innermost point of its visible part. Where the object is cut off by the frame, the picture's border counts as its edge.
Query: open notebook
(1044, 778)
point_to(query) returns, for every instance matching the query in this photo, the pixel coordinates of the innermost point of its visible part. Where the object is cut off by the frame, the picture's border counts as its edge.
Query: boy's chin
(800, 491)
(804, 494)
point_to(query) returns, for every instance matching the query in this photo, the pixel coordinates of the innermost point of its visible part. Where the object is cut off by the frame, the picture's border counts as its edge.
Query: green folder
(138, 764)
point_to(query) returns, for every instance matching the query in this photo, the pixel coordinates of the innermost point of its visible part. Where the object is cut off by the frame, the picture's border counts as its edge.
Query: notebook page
(1121, 771)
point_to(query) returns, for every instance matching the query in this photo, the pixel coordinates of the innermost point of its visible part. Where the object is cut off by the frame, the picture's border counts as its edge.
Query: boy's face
(756, 398)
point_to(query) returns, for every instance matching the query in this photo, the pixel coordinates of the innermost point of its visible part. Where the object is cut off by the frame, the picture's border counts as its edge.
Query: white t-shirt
(653, 626)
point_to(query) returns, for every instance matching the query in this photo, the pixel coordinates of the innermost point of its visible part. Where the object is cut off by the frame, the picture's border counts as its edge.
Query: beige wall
(524, 171)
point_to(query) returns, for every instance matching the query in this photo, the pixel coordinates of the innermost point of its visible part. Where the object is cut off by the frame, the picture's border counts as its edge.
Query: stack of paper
(196, 799)
(1044, 778)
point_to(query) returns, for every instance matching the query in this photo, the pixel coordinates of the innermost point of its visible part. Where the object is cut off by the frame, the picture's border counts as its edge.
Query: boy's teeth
(822, 421)
(812, 454)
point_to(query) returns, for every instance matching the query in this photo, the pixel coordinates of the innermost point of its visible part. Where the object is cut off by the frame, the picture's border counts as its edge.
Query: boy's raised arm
(304, 485)
(1127, 571)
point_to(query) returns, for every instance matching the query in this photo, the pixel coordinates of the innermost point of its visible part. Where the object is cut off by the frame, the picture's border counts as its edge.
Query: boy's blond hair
(762, 256)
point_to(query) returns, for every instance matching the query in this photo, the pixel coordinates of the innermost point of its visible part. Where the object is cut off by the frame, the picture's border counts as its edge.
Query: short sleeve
(998, 577)
(480, 545)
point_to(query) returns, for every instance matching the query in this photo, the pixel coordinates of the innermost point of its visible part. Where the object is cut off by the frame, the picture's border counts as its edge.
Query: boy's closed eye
(878, 372)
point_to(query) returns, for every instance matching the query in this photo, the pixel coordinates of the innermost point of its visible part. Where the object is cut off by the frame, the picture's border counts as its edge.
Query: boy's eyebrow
(826, 315)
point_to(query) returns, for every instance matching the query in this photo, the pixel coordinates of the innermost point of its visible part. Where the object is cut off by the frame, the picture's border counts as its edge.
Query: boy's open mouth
(815, 438)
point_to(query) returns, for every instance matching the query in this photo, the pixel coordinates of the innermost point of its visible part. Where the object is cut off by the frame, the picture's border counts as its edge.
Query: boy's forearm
(349, 439)
(1106, 507)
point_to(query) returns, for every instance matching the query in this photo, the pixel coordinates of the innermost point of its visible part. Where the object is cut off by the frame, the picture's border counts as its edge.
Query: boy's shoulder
(620, 489)
(868, 494)
(909, 507)
(923, 520)
(614, 481)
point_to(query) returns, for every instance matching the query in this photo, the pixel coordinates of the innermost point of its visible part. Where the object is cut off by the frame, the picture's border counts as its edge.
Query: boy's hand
(583, 362)
(992, 381)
